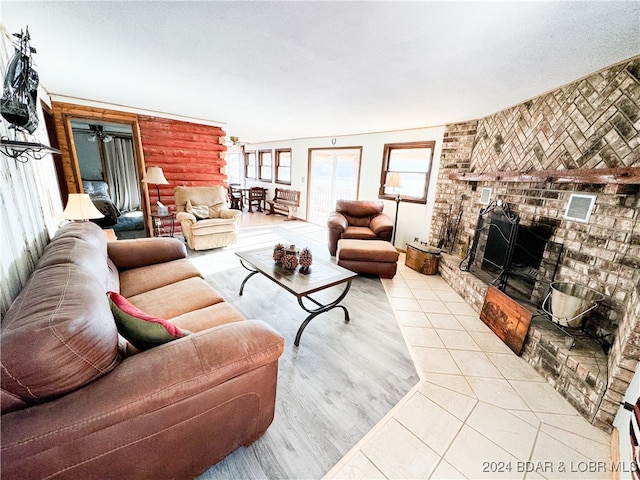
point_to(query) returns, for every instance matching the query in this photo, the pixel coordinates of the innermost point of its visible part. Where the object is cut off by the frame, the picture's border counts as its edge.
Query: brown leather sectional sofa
(78, 403)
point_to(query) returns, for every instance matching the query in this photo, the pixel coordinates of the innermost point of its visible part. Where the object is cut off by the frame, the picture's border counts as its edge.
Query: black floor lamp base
(395, 223)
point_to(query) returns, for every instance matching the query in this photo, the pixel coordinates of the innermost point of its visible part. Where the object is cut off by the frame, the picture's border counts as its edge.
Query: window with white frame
(410, 163)
(250, 165)
(283, 166)
(265, 165)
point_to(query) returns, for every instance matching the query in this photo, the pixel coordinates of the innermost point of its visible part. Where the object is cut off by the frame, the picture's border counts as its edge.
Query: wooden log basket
(422, 258)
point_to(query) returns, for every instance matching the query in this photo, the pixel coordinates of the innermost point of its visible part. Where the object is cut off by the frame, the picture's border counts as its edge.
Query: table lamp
(155, 176)
(80, 208)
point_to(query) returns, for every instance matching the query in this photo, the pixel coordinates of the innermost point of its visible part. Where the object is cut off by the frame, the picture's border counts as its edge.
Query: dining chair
(257, 197)
(235, 198)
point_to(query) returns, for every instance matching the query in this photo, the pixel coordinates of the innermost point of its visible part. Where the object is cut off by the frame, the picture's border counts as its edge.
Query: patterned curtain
(121, 174)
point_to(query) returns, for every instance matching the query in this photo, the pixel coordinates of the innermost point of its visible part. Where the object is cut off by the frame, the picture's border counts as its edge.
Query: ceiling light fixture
(97, 131)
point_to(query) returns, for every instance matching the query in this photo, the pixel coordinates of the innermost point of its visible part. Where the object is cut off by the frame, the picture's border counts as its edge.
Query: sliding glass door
(333, 174)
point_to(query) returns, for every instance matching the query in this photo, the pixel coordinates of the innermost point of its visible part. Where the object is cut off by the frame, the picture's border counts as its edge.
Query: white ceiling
(278, 70)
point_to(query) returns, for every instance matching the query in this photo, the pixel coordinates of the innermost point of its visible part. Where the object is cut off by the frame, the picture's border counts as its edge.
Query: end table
(163, 224)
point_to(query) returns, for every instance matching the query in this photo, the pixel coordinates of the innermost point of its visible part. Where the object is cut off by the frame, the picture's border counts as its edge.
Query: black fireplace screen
(511, 256)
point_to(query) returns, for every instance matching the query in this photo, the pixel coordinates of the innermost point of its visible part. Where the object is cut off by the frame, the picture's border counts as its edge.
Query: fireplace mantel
(628, 175)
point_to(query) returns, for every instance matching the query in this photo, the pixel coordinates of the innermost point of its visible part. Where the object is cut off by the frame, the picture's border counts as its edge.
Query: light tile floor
(479, 411)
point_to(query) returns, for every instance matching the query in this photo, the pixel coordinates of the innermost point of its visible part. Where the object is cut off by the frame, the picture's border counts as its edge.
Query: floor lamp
(155, 176)
(393, 181)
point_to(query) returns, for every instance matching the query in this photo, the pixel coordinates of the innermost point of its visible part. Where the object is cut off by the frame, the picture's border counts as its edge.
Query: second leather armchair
(358, 219)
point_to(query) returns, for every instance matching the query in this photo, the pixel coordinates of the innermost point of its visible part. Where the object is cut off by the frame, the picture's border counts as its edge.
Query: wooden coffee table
(322, 275)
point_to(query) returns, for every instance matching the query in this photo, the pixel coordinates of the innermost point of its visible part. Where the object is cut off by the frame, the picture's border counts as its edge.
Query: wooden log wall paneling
(190, 154)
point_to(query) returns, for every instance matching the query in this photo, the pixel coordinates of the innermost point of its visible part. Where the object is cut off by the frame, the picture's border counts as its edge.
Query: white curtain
(121, 174)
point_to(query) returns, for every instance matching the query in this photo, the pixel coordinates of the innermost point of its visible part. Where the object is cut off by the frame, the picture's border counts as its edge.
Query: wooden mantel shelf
(628, 175)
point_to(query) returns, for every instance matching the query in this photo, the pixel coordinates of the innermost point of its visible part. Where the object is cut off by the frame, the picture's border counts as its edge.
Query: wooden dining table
(244, 191)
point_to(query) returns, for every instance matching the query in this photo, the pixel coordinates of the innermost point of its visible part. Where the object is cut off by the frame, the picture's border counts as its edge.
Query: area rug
(332, 389)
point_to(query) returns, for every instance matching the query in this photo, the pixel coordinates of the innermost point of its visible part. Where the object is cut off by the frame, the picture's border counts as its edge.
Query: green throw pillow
(144, 331)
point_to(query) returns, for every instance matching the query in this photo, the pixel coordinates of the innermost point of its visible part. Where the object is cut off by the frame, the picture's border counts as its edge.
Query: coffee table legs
(322, 308)
(313, 312)
(253, 272)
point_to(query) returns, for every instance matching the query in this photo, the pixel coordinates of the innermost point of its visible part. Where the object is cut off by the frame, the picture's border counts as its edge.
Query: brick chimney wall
(590, 124)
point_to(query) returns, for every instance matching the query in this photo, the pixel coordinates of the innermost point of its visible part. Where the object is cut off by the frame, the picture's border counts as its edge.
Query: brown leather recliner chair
(358, 219)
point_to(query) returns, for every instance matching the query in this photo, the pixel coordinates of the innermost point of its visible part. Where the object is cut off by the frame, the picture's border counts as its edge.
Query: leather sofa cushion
(362, 233)
(83, 244)
(140, 252)
(143, 279)
(177, 299)
(359, 212)
(208, 317)
(57, 336)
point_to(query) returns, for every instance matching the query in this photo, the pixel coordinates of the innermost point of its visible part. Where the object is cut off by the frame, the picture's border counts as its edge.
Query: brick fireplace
(583, 138)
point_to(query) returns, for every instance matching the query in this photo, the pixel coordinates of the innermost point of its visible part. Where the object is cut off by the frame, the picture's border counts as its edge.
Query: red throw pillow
(144, 331)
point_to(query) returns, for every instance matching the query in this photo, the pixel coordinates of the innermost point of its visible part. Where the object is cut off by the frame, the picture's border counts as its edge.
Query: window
(264, 165)
(250, 166)
(412, 163)
(283, 166)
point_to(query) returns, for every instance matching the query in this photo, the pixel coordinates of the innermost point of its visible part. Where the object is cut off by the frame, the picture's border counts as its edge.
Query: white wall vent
(485, 196)
(579, 207)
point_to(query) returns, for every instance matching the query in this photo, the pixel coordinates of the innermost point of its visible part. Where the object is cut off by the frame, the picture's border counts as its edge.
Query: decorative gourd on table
(290, 258)
(278, 253)
(305, 260)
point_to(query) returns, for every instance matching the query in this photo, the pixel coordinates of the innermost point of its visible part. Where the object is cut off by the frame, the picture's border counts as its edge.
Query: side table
(110, 234)
(163, 224)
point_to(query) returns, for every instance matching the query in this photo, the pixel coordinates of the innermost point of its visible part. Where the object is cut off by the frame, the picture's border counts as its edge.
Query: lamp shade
(80, 207)
(393, 180)
(155, 175)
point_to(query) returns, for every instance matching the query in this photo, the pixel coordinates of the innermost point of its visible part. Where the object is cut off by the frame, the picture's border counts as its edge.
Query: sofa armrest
(176, 392)
(186, 217)
(228, 213)
(337, 221)
(381, 223)
(140, 252)
(336, 226)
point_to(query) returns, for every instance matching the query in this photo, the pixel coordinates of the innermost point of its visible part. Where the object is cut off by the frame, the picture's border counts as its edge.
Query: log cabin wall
(189, 154)
(586, 128)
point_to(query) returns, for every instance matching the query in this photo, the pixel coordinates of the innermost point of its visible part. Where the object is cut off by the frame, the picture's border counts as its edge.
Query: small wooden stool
(375, 257)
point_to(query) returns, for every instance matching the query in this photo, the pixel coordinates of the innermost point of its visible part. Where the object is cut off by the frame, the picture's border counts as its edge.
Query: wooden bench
(285, 202)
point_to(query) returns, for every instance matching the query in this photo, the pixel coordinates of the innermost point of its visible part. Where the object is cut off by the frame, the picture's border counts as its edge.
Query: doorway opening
(109, 173)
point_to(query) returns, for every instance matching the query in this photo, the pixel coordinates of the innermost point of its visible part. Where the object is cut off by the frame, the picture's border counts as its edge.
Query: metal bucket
(570, 301)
